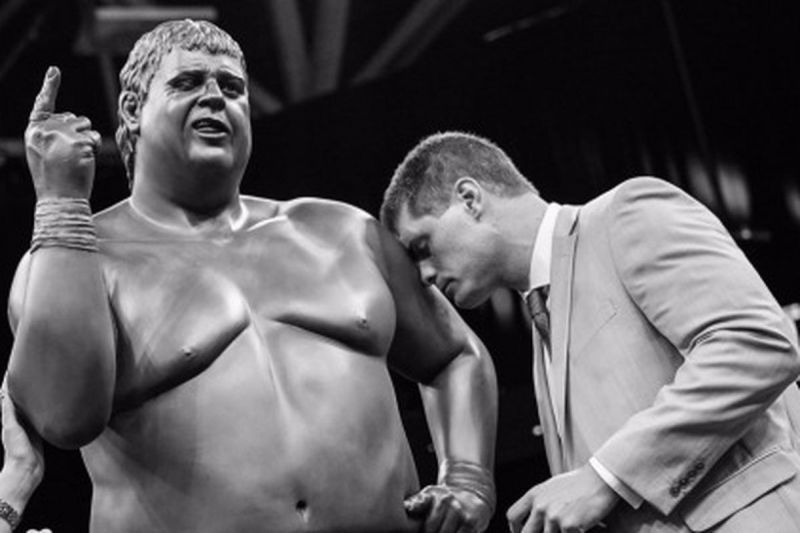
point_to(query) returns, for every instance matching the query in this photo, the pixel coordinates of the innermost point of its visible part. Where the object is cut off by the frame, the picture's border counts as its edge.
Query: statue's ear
(130, 110)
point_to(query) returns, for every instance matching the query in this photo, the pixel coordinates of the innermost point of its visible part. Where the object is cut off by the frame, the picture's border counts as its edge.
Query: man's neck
(177, 214)
(519, 220)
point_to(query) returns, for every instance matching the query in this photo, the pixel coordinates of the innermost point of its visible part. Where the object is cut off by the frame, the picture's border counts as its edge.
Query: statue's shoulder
(326, 217)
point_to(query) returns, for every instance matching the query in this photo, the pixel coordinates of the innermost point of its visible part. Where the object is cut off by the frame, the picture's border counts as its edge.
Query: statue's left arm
(433, 346)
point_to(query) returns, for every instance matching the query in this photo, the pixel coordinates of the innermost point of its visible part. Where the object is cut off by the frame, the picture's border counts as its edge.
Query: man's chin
(467, 300)
(212, 158)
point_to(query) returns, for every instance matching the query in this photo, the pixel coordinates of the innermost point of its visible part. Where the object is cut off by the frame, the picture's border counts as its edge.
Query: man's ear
(469, 194)
(130, 110)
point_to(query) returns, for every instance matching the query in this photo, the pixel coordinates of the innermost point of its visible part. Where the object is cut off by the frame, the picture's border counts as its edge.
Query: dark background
(581, 94)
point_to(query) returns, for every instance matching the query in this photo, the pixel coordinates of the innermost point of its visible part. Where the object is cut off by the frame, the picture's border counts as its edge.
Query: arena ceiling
(302, 50)
(296, 49)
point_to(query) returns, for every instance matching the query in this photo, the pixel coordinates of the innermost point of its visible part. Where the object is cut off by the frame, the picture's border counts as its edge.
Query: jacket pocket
(596, 316)
(735, 492)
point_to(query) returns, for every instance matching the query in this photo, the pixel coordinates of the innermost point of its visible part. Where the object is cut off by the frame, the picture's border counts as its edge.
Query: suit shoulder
(641, 193)
(646, 213)
(642, 187)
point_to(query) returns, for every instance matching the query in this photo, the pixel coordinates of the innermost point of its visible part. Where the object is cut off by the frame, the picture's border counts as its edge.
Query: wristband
(9, 514)
(471, 477)
(63, 223)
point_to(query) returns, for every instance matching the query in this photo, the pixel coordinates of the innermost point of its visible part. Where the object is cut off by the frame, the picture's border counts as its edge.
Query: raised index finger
(45, 102)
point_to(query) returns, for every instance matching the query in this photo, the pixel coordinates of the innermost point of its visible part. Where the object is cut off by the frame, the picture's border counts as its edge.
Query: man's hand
(568, 503)
(22, 447)
(446, 509)
(23, 464)
(60, 147)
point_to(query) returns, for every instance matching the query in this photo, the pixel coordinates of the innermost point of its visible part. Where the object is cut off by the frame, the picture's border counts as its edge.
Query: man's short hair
(145, 59)
(424, 180)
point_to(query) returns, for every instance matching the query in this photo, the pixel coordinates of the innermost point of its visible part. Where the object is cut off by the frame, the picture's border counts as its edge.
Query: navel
(302, 509)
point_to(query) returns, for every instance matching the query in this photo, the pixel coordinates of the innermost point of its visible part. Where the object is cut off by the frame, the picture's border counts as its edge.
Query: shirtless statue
(222, 360)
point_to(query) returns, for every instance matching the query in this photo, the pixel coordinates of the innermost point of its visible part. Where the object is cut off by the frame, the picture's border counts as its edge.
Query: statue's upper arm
(16, 296)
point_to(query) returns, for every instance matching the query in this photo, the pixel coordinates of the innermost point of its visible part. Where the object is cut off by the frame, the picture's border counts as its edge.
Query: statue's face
(197, 112)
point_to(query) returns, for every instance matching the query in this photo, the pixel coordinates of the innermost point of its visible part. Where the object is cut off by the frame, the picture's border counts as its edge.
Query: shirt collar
(539, 275)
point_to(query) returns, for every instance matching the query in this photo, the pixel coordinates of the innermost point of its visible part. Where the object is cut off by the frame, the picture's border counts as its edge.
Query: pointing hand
(60, 147)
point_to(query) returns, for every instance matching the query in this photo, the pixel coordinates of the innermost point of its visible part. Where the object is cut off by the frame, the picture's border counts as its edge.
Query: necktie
(538, 308)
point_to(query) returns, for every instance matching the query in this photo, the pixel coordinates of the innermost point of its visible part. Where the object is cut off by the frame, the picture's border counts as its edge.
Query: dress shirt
(539, 276)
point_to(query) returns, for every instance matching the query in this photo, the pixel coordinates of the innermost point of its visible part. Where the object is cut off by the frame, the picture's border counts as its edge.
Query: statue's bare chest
(179, 305)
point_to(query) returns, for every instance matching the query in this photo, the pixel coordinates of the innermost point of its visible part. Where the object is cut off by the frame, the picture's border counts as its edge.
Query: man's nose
(427, 273)
(212, 95)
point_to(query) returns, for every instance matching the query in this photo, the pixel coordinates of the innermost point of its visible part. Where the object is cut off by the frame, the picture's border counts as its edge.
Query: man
(23, 466)
(221, 360)
(662, 376)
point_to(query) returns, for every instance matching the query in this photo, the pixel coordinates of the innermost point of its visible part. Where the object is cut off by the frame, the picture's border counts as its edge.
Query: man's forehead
(409, 227)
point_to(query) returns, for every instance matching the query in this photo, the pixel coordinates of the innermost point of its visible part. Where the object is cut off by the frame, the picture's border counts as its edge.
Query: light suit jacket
(670, 360)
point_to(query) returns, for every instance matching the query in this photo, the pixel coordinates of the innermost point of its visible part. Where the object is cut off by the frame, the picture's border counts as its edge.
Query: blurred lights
(792, 196)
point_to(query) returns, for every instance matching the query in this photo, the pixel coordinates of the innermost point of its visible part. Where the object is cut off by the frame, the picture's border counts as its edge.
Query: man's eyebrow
(196, 72)
(231, 74)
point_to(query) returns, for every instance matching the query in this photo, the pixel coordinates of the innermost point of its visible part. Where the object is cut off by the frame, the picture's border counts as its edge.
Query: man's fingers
(535, 523)
(520, 507)
(551, 525)
(518, 512)
(45, 102)
(9, 418)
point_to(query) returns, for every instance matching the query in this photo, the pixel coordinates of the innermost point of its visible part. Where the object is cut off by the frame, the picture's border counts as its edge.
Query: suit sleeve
(684, 272)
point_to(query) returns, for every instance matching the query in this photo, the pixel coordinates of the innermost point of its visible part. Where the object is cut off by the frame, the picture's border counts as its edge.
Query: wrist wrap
(63, 223)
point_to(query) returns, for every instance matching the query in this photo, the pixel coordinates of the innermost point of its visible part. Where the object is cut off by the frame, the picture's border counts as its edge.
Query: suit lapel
(561, 268)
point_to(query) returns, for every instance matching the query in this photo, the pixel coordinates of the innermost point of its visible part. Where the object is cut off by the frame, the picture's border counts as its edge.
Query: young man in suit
(664, 369)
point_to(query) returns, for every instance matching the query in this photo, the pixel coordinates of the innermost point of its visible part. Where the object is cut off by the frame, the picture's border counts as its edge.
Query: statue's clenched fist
(447, 509)
(60, 147)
